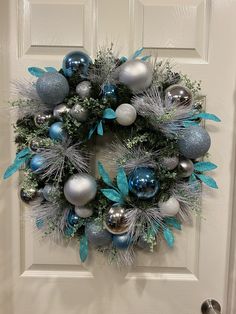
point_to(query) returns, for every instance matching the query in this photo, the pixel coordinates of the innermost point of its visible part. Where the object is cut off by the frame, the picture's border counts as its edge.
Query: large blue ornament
(76, 61)
(109, 92)
(143, 183)
(72, 218)
(56, 131)
(122, 242)
(36, 163)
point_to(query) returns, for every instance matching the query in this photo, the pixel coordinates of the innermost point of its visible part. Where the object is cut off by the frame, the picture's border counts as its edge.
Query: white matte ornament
(126, 114)
(83, 212)
(169, 208)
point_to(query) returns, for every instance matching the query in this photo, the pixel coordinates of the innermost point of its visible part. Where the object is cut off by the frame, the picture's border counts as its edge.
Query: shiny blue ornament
(122, 241)
(36, 163)
(56, 131)
(72, 218)
(76, 61)
(109, 92)
(143, 183)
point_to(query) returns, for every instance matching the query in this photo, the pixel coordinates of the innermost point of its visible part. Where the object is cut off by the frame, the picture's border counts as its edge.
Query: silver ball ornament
(52, 88)
(29, 195)
(49, 192)
(115, 220)
(194, 142)
(185, 168)
(169, 208)
(178, 95)
(42, 118)
(170, 163)
(83, 212)
(79, 113)
(80, 189)
(84, 89)
(59, 110)
(97, 235)
(126, 114)
(136, 74)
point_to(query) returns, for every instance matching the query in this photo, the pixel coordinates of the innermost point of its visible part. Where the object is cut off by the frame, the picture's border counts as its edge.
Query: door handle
(211, 306)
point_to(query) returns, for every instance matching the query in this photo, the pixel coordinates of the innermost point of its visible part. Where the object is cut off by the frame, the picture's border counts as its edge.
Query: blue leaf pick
(51, 69)
(112, 195)
(192, 178)
(122, 182)
(14, 167)
(100, 128)
(145, 58)
(104, 175)
(36, 71)
(204, 166)
(188, 123)
(109, 114)
(173, 222)
(137, 53)
(206, 116)
(92, 130)
(208, 181)
(169, 237)
(83, 248)
(23, 153)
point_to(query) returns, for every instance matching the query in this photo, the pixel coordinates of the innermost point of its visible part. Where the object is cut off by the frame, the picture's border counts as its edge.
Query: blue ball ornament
(72, 218)
(76, 61)
(143, 183)
(36, 163)
(56, 131)
(122, 241)
(109, 92)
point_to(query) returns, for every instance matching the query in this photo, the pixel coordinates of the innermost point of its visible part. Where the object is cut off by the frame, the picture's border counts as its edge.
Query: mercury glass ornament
(122, 241)
(135, 74)
(169, 208)
(84, 89)
(49, 192)
(28, 195)
(56, 131)
(97, 235)
(79, 113)
(185, 168)
(59, 110)
(115, 221)
(143, 183)
(72, 218)
(76, 61)
(170, 163)
(109, 92)
(194, 142)
(36, 163)
(83, 212)
(80, 189)
(52, 88)
(178, 95)
(34, 145)
(126, 114)
(42, 118)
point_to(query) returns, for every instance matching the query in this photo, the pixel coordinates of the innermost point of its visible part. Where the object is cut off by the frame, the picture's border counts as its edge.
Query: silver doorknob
(211, 306)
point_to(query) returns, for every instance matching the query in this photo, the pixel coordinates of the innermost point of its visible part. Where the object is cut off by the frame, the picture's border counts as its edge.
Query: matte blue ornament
(143, 183)
(76, 61)
(36, 163)
(122, 241)
(72, 218)
(109, 92)
(56, 131)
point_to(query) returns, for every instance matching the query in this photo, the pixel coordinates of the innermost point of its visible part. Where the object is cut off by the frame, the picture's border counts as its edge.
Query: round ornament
(185, 168)
(83, 212)
(170, 163)
(136, 74)
(84, 89)
(49, 192)
(97, 235)
(115, 221)
(42, 118)
(178, 95)
(142, 243)
(169, 208)
(59, 110)
(143, 183)
(80, 189)
(52, 88)
(122, 241)
(194, 142)
(109, 92)
(126, 114)
(36, 163)
(35, 145)
(29, 195)
(72, 218)
(76, 61)
(56, 131)
(79, 113)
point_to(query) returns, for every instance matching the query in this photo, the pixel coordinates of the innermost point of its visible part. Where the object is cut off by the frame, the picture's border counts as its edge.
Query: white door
(44, 278)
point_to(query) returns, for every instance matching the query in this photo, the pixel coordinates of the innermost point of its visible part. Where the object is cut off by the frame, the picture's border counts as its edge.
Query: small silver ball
(49, 192)
(79, 113)
(126, 114)
(59, 110)
(42, 118)
(179, 95)
(83, 212)
(170, 163)
(80, 189)
(194, 142)
(185, 168)
(115, 220)
(97, 235)
(84, 89)
(169, 208)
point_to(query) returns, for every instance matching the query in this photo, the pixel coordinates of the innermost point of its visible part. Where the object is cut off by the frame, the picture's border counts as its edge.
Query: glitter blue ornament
(56, 131)
(143, 183)
(122, 242)
(36, 163)
(76, 61)
(72, 218)
(109, 92)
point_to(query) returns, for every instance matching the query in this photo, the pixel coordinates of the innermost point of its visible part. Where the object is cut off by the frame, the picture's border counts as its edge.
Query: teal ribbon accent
(20, 159)
(108, 114)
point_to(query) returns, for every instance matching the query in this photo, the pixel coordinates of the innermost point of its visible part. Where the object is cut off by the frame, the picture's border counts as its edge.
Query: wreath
(152, 117)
